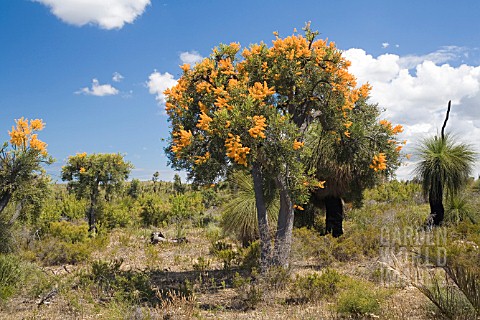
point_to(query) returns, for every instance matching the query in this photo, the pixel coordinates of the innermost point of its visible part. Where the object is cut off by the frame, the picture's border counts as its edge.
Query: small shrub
(359, 298)
(114, 216)
(313, 286)
(250, 256)
(10, 275)
(130, 286)
(154, 210)
(249, 289)
(201, 265)
(69, 232)
(51, 251)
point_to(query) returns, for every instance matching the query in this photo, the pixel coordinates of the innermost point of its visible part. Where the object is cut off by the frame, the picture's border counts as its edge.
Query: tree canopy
(88, 174)
(254, 108)
(21, 159)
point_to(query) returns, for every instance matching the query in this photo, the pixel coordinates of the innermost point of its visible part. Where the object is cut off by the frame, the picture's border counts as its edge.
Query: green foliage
(134, 189)
(447, 298)
(112, 282)
(251, 256)
(250, 291)
(239, 214)
(21, 171)
(155, 210)
(225, 252)
(177, 184)
(313, 287)
(10, 276)
(359, 298)
(115, 215)
(444, 162)
(459, 208)
(395, 192)
(86, 174)
(66, 243)
(69, 232)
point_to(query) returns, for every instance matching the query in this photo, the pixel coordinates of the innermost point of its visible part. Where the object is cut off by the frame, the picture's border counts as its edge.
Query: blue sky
(59, 58)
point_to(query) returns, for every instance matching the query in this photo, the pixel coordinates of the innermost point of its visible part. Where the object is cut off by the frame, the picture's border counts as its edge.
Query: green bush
(51, 251)
(359, 298)
(250, 256)
(154, 211)
(114, 283)
(117, 215)
(10, 275)
(313, 286)
(69, 232)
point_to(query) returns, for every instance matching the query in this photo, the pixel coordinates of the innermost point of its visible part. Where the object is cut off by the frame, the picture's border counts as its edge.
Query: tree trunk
(334, 216)
(263, 228)
(92, 221)
(4, 200)
(437, 211)
(283, 238)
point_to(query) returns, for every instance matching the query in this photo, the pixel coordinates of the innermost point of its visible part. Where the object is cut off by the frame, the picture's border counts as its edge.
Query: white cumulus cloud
(157, 83)
(117, 77)
(108, 14)
(415, 90)
(385, 45)
(98, 90)
(190, 57)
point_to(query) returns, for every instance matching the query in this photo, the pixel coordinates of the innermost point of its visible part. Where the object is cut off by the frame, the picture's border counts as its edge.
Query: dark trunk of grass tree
(263, 228)
(283, 238)
(437, 211)
(334, 216)
(4, 200)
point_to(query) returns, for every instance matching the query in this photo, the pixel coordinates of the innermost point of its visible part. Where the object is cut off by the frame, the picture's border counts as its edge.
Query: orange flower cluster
(183, 139)
(259, 128)
(226, 67)
(297, 145)
(202, 159)
(379, 162)
(291, 47)
(235, 150)
(222, 102)
(203, 87)
(388, 125)
(22, 135)
(204, 122)
(185, 67)
(298, 207)
(255, 49)
(260, 92)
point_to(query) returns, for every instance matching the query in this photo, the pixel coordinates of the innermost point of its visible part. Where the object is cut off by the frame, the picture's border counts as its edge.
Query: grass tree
(251, 111)
(239, 214)
(371, 152)
(444, 167)
(87, 175)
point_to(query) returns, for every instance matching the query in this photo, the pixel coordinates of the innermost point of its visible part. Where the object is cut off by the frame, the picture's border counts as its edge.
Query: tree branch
(446, 119)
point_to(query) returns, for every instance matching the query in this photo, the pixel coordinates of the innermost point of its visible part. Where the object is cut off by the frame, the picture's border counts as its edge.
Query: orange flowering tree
(369, 154)
(252, 109)
(88, 175)
(21, 159)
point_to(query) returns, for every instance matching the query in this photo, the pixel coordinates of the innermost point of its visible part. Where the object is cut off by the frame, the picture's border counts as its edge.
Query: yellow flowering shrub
(22, 136)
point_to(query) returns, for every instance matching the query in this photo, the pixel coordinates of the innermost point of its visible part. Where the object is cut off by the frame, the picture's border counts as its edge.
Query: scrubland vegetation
(291, 210)
(385, 265)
